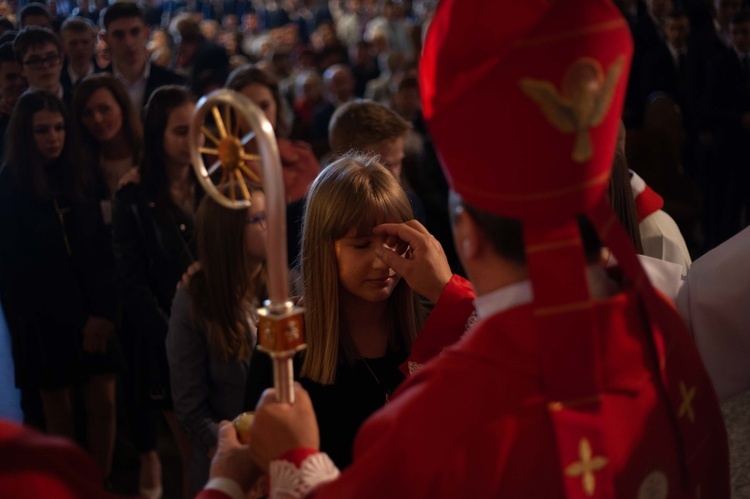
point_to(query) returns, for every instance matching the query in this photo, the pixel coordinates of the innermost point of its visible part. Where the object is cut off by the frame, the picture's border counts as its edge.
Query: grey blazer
(204, 389)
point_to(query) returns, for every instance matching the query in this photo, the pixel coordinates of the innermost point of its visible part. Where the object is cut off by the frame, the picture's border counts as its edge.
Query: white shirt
(521, 293)
(137, 89)
(675, 55)
(59, 92)
(74, 78)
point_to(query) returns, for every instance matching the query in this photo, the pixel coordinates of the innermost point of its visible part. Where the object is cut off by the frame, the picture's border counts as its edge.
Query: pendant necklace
(385, 390)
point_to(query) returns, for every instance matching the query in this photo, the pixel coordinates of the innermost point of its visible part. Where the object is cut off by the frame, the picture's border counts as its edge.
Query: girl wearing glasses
(212, 327)
(153, 222)
(56, 274)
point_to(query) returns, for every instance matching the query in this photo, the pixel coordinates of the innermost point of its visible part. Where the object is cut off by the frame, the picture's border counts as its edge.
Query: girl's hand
(185, 281)
(418, 257)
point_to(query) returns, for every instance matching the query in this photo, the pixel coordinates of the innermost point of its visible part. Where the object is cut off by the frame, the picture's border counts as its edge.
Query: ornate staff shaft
(281, 326)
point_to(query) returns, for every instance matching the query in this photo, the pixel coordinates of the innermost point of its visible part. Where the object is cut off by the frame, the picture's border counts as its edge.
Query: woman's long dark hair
(229, 280)
(153, 170)
(23, 160)
(621, 198)
(247, 75)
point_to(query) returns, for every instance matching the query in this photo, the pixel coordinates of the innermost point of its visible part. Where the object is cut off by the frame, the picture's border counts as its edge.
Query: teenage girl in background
(212, 328)
(153, 235)
(56, 274)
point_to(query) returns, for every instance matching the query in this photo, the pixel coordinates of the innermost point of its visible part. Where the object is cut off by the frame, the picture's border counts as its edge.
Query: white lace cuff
(291, 482)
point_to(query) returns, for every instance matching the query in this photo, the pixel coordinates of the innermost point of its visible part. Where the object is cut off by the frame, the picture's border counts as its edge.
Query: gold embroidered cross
(586, 466)
(686, 407)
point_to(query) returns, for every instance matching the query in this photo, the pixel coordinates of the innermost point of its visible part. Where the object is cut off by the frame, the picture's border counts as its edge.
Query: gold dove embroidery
(585, 98)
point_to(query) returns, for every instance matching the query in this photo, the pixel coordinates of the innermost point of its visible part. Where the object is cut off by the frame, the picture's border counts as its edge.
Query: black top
(56, 270)
(153, 248)
(340, 408)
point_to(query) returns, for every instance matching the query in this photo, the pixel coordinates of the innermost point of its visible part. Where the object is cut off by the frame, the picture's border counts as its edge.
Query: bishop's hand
(423, 265)
(279, 427)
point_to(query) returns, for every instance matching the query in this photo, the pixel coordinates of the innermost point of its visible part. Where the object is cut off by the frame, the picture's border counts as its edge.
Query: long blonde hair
(229, 281)
(354, 191)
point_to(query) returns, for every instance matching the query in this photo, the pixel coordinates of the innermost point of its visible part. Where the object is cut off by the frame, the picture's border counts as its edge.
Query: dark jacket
(359, 390)
(158, 77)
(56, 270)
(153, 247)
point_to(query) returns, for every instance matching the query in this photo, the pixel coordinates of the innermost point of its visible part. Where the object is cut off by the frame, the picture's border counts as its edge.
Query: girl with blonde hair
(360, 317)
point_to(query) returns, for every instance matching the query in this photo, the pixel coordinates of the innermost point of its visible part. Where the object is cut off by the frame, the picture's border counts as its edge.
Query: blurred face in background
(740, 35)
(255, 227)
(725, 10)
(176, 135)
(42, 65)
(677, 31)
(659, 8)
(102, 116)
(78, 47)
(262, 97)
(12, 83)
(48, 128)
(126, 39)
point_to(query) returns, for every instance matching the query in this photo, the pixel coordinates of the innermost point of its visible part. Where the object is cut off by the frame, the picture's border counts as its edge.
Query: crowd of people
(131, 296)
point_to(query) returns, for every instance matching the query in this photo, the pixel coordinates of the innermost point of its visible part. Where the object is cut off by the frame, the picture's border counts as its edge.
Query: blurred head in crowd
(739, 32)
(251, 22)
(406, 101)
(309, 86)
(39, 149)
(166, 126)
(40, 53)
(35, 14)
(726, 10)
(339, 83)
(261, 88)
(104, 114)
(126, 35)
(78, 41)
(6, 25)
(12, 82)
(370, 127)
(677, 29)
(210, 29)
(659, 8)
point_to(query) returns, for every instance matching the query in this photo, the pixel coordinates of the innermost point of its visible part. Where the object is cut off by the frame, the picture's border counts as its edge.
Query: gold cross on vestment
(586, 466)
(686, 407)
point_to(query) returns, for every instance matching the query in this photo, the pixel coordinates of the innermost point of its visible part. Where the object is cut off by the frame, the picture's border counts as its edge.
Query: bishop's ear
(466, 235)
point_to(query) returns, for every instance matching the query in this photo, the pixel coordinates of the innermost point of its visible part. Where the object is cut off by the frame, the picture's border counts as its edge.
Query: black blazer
(661, 74)
(65, 76)
(153, 247)
(726, 99)
(727, 96)
(158, 77)
(56, 270)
